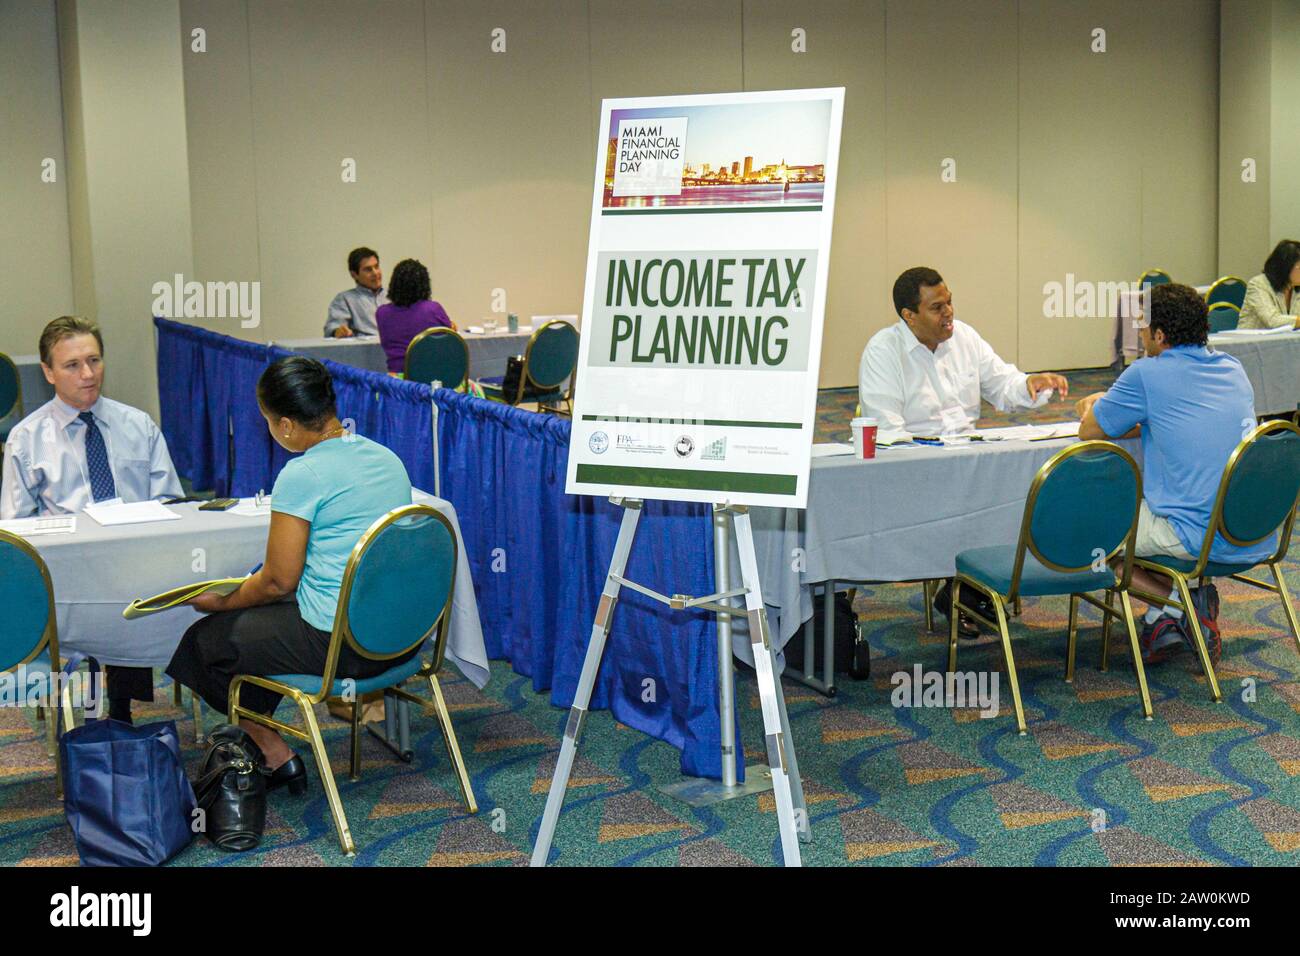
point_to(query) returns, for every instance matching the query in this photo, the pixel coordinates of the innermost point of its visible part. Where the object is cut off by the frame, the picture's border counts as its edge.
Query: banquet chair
(1257, 497)
(1153, 277)
(11, 396)
(29, 639)
(550, 358)
(1082, 511)
(1224, 317)
(437, 355)
(1227, 289)
(397, 592)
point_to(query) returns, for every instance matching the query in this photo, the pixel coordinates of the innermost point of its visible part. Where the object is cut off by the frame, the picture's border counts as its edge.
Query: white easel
(786, 786)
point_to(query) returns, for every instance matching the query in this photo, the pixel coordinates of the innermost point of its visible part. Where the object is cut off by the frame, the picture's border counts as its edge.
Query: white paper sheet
(137, 512)
(831, 449)
(250, 508)
(52, 524)
(1280, 330)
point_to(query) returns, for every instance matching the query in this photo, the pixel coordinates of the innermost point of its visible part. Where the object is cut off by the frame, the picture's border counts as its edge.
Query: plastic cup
(864, 437)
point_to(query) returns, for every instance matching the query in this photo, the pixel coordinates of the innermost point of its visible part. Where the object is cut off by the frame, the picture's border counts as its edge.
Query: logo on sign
(598, 443)
(714, 451)
(684, 446)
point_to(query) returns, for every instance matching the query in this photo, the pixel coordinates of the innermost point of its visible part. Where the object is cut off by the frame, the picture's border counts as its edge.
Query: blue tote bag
(126, 795)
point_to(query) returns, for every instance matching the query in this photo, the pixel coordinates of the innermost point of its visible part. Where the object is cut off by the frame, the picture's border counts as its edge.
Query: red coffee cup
(864, 437)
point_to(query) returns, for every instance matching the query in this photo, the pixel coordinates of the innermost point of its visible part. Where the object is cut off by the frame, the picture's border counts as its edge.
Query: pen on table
(180, 501)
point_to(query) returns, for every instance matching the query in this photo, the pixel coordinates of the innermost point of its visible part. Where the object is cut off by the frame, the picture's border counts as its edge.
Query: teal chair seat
(493, 387)
(395, 599)
(1081, 514)
(1213, 569)
(310, 683)
(993, 566)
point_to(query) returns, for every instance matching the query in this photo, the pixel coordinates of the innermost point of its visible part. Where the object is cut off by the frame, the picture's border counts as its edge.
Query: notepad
(831, 449)
(1280, 330)
(137, 512)
(142, 607)
(53, 524)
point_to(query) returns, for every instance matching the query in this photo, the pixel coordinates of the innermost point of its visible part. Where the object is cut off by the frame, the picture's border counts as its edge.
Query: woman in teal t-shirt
(280, 619)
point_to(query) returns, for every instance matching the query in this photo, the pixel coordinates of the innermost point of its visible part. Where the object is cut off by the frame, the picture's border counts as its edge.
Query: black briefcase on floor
(852, 655)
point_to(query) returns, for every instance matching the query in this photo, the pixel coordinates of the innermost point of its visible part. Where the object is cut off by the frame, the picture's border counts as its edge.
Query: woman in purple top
(408, 313)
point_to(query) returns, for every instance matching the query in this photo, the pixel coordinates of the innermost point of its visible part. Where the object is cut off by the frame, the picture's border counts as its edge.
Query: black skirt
(264, 641)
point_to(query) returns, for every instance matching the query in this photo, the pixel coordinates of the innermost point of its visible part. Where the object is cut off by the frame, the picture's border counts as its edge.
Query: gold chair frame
(1153, 272)
(1182, 581)
(427, 333)
(1220, 281)
(18, 382)
(1026, 543)
(526, 372)
(50, 639)
(342, 633)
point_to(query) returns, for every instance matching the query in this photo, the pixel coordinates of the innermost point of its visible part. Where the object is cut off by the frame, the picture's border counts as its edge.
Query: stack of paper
(53, 524)
(137, 512)
(831, 449)
(1278, 331)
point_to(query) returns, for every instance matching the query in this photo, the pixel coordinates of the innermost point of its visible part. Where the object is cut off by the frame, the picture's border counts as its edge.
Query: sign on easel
(702, 326)
(705, 296)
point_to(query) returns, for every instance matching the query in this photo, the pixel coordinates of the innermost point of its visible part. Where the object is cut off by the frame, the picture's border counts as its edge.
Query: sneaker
(1163, 639)
(967, 628)
(1206, 601)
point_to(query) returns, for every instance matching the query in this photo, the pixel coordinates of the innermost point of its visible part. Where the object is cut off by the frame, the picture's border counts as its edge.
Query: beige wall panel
(845, 47)
(1244, 97)
(663, 48)
(136, 215)
(512, 156)
(36, 284)
(333, 81)
(952, 94)
(219, 127)
(1081, 162)
(1180, 207)
(1285, 147)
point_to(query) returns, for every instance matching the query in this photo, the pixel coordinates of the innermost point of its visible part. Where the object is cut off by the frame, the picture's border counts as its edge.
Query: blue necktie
(101, 475)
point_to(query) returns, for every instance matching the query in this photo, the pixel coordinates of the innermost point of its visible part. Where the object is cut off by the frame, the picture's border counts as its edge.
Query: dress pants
(266, 640)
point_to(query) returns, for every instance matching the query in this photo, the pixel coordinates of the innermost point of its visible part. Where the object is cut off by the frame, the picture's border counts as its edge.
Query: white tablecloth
(97, 571)
(1272, 363)
(903, 516)
(488, 352)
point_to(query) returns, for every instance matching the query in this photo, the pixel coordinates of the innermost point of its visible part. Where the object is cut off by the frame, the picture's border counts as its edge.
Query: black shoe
(967, 628)
(292, 774)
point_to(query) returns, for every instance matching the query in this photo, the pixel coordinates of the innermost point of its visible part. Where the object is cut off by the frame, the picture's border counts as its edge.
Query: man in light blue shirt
(79, 448)
(352, 311)
(1193, 406)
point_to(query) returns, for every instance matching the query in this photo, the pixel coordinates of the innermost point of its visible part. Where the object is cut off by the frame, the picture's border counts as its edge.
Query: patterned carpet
(1093, 784)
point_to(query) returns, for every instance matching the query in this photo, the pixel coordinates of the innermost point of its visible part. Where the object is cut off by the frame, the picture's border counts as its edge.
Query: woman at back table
(280, 619)
(408, 313)
(1271, 298)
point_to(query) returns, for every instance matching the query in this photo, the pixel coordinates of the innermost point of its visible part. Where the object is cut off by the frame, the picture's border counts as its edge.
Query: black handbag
(852, 653)
(510, 384)
(231, 790)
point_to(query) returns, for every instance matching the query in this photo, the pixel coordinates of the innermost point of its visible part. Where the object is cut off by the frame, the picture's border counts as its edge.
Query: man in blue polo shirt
(1192, 407)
